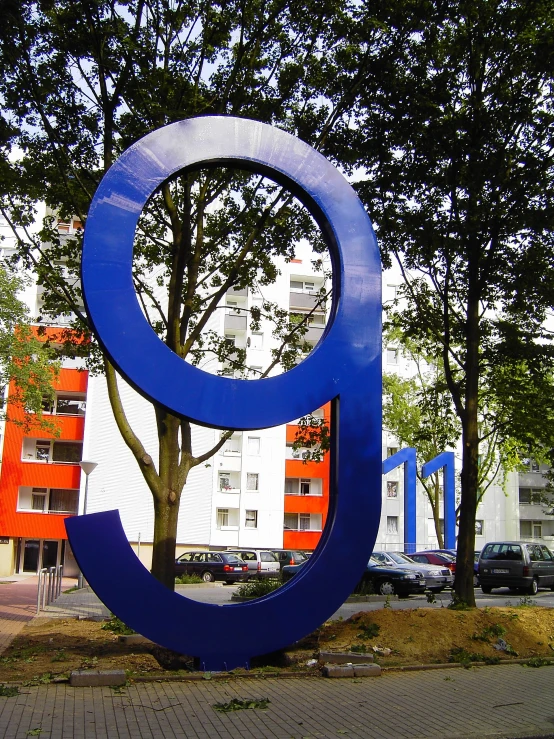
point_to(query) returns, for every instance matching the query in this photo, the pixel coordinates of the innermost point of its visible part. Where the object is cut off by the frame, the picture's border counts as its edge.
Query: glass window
(224, 481)
(525, 495)
(392, 524)
(38, 502)
(42, 451)
(254, 445)
(251, 519)
(392, 355)
(392, 489)
(305, 487)
(502, 551)
(479, 528)
(391, 450)
(304, 522)
(222, 517)
(70, 405)
(63, 501)
(252, 481)
(67, 451)
(291, 486)
(291, 522)
(256, 341)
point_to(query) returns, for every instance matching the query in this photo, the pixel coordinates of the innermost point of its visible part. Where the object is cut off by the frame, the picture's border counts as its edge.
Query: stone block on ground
(367, 670)
(338, 671)
(95, 678)
(343, 658)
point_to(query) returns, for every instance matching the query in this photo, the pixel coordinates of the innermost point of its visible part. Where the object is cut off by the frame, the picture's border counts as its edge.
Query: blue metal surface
(345, 367)
(407, 457)
(445, 461)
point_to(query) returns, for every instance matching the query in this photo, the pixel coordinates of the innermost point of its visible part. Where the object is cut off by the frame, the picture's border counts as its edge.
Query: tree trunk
(166, 516)
(465, 591)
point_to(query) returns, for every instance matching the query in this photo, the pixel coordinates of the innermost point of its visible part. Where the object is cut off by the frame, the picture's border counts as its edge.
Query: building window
(291, 522)
(530, 496)
(222, 517)
(48, 500)
(230, 341)
(392, 524)
(305, 486)
(302, 286)
(66, 404)
(38, 501)
(392, 450)
(232, 446)
(304, 521)
(479, 528)
(392, 355)
(232, 308)
(252, 481)
(256, 341)
(251, 520)
(225, 481)
(392, 489)
(44, 450)
(530, 529)
(254, 445)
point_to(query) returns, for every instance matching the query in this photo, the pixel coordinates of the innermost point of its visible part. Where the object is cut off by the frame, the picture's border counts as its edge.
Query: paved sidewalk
(481, 703)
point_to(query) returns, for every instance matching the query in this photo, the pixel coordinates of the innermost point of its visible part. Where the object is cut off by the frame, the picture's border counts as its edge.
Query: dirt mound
(46, 650)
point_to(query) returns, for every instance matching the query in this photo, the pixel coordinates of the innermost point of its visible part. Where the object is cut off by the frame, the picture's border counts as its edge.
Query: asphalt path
(221, 595)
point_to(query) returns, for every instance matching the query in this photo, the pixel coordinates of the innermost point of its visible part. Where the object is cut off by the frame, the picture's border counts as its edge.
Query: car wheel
(533, 588)
(486, 589)
(386, 587)
(208, 576)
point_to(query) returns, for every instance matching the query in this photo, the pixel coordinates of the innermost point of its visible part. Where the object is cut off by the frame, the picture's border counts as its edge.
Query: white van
(261, 563)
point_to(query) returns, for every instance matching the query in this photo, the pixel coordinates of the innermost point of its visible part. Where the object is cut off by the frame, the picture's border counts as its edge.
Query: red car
(443, 559)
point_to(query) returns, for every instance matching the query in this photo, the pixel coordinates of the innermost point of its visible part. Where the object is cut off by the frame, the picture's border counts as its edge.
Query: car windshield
(445, 556)
(502, 551)
(373, 561)
(401, 559)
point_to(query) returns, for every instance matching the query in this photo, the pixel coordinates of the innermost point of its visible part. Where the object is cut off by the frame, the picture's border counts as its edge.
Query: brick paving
(481, 703)
(500, 702)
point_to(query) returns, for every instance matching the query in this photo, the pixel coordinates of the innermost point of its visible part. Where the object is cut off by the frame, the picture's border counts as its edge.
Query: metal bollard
(40, 589)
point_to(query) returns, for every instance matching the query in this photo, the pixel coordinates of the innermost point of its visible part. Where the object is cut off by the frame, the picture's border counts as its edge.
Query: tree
(453, 152)
(27, 364)
(81, 81)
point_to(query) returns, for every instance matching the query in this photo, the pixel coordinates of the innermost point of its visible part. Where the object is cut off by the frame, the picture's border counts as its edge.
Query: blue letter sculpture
(345, 367)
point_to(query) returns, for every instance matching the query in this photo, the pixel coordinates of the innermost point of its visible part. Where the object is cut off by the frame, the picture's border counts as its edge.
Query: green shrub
(258, 588)
(116, 626)
(188, 580)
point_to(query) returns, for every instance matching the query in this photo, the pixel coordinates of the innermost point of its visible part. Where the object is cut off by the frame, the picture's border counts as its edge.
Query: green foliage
(60, 656)
(116, 626)
(8, 691)
(258, 588)
(538, 662)
(493, 631)
(370, 631)
(238, 704)
(465, 658)
(188, 580)
(359, 648)
(25, 361)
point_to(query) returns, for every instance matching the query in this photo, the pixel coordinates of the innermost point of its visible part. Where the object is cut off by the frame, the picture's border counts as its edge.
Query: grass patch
(490, 632)
(8, 691)
(369, 632)
(116, 626)
(461, 656)
(538, 662)
(188, 580)
(258, 588)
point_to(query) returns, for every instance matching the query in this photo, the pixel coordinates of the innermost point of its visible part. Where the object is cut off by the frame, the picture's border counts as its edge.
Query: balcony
(235, 322)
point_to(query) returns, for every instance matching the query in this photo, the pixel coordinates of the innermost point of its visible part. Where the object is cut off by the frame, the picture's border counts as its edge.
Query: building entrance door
(31, 552)
(39, 553)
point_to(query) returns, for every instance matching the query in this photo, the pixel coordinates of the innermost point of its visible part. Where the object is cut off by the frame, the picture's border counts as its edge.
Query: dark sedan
(212, 566)
(381, 579)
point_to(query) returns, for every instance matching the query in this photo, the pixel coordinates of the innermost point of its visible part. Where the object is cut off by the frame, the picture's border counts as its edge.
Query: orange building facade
(40, 481)
(306, 496)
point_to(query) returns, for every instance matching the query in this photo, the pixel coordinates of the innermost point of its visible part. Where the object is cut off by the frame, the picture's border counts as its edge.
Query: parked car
(442, 558)
(212, 566)
(289, 556)
(393, 580)
(518, 565)
(384, 580)
(261, 563)
(453, 553)
(437, 577)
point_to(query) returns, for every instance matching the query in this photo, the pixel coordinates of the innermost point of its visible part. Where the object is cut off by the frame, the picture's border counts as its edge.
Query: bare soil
(49, 649)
